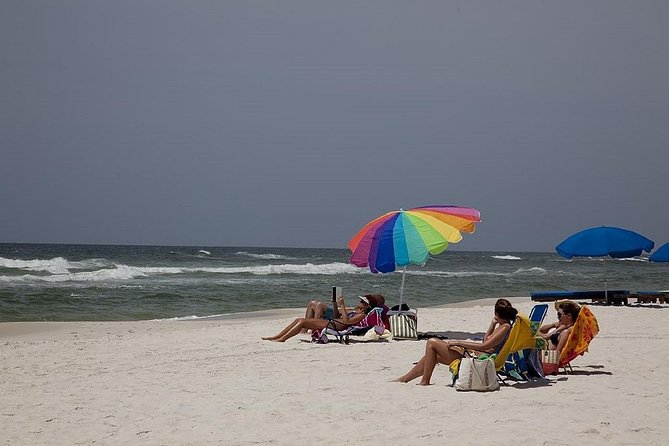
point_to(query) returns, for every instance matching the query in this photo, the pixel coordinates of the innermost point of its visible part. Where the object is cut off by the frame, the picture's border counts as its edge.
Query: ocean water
(90, 282)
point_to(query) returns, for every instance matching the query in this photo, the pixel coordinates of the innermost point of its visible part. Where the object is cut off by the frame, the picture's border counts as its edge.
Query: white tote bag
(477, 374)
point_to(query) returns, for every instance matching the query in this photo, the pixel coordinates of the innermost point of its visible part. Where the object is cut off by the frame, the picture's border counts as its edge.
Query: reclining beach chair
(373, 320)
(525, 364)
(519, 337)
(584, 330)
(523, 336)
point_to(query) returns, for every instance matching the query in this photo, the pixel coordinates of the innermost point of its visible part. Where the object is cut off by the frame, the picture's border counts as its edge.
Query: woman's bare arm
(351, 320)
(490, 342)
(562, 340)
(491, 328)
(545, 328)
(345, 319)
(546, 331)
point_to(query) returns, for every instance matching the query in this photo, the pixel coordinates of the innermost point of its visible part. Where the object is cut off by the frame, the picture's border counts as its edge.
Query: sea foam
(267, 256)
(521, 271)
(56, 265)
(126, 272)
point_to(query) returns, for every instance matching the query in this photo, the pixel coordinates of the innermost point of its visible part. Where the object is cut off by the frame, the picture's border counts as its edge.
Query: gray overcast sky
(293, 123)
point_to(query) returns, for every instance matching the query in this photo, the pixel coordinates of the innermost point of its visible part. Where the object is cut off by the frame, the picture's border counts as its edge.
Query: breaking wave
(263, 256)
(125, 272)
(520, 271)
(56, 265)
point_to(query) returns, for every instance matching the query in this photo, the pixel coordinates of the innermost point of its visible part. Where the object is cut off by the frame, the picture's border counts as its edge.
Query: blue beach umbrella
(661, 254)
(605, 241)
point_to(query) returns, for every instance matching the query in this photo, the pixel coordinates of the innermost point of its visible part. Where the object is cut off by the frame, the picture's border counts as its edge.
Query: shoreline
(36, 328)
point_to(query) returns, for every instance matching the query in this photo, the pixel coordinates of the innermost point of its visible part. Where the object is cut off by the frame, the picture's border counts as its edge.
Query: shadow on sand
(460, 335)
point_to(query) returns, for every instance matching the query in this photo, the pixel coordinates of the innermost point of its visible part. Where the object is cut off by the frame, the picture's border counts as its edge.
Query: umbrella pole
(404, 270)
(606, 291)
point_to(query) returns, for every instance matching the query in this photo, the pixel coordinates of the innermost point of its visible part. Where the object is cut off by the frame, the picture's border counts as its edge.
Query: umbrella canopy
(605, 241)
(401, 238)
(661, 254)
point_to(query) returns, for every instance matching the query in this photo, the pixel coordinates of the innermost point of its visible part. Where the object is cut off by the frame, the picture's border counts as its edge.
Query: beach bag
(477, 375)
(319, 337)
(403, 326)
(379, 332)
(549, 361)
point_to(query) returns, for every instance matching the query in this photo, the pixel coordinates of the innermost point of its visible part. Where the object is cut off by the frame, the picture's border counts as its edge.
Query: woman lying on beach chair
(445, 352)
(373, 320)
(366, 304)
(321, 310)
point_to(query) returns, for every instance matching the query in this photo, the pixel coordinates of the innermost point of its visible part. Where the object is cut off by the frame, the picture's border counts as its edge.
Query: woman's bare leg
(436, 350)
(311, 324)
(311, 312)
(311, 308)
(319, 310)
(284, 331)
(414, 373)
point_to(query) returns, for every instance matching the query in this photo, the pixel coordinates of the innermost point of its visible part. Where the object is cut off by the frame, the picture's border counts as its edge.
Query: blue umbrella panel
(661, 254)
(605, 241)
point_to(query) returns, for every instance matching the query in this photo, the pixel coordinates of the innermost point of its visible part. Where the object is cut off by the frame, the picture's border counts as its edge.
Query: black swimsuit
(555, 337)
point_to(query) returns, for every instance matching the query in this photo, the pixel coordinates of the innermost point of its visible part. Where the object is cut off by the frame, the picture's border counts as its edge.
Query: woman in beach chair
(348, 319)
(584, 330)
(572, 333)
(322, 310)
(373, 319)
(445, 352)
(558, 332)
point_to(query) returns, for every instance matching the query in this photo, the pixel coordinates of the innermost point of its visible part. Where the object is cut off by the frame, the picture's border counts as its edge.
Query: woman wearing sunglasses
(558, 333)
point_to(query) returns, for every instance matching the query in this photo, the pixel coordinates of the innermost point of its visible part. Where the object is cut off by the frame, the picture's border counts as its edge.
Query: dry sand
(217, 382)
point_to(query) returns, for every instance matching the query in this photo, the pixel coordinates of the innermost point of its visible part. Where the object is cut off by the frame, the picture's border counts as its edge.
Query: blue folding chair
(537, 315)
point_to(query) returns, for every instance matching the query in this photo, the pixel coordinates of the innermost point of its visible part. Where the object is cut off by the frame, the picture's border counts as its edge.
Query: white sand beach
(217, 382)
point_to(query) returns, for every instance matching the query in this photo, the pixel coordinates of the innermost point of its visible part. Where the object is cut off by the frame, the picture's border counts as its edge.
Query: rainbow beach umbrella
(401, 238)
